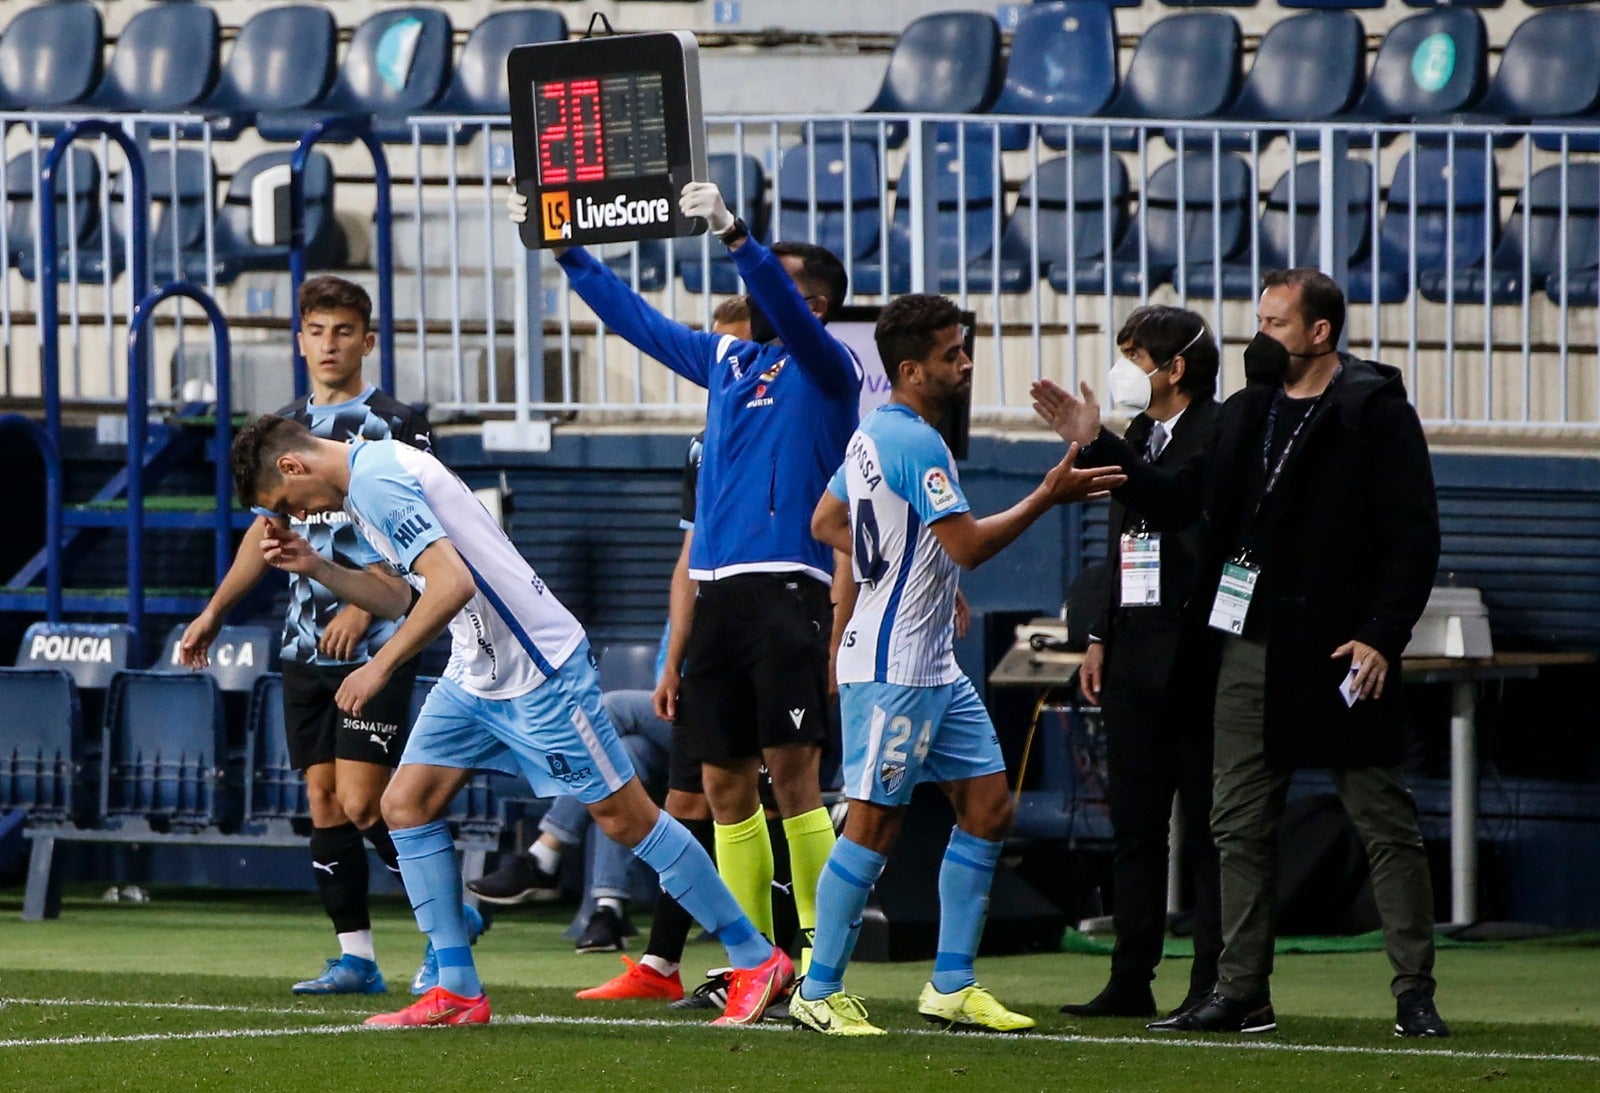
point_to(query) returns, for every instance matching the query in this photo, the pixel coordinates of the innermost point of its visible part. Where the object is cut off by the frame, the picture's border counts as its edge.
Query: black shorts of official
(683, 769)
(756, 666)
(319, 732)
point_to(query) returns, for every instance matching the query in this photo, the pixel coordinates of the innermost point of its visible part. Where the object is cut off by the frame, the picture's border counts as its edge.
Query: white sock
(358, 943)
(663, 968)
(612, 902)
(548, 857)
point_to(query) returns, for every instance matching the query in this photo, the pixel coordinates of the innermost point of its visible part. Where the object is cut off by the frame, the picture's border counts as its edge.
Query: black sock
(339, 862)
(670, 925)
(383, 845)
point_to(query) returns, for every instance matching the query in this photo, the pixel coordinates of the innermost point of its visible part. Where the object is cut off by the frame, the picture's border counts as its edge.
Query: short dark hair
(256, 449)
(735, 309)
(821, 271)
(906, 329)
(1165, 332)
(1320, 296)
(330, 293)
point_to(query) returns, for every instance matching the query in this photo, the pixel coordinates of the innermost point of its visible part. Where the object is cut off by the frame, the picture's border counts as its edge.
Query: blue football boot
(346, 974)
(427, 976)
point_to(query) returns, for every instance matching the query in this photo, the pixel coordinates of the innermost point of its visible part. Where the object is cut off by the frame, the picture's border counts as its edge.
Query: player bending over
(909, 713)
(519, 695)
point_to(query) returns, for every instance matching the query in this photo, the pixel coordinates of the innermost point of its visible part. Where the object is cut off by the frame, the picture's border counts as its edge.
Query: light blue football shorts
(557, 736)
(896, 737)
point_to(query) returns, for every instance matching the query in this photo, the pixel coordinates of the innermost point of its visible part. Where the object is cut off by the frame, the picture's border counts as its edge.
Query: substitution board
(605, 132)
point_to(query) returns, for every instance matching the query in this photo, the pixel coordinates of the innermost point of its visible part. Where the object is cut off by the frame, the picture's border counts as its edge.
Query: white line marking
(662, 1023)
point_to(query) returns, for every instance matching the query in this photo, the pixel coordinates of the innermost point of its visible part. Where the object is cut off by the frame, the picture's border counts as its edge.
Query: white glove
(705, 200)
(516, 203)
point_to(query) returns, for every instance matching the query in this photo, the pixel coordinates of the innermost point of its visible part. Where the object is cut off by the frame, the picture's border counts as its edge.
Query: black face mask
(761, 328)
(1266, 361)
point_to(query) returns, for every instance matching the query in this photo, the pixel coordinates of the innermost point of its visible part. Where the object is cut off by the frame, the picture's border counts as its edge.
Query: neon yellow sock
(744, 859)
(810, 838)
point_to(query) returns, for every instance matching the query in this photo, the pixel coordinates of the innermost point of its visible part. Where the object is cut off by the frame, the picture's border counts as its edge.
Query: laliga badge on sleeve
(1141, 569)
(1234, 592)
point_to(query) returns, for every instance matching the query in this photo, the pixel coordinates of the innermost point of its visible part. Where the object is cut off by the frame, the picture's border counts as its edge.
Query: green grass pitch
(192, 993)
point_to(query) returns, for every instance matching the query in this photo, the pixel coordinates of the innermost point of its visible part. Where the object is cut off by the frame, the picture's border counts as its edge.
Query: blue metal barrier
(335, 128)
(53, 532)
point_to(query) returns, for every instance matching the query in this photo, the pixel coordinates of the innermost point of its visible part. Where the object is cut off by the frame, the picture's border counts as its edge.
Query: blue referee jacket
(777, 419)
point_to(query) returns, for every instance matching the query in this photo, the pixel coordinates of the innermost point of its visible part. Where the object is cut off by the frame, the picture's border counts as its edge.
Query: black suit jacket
(1149, 649)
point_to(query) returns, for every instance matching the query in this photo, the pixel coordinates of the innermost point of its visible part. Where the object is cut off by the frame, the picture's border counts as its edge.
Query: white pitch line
(660, 1023)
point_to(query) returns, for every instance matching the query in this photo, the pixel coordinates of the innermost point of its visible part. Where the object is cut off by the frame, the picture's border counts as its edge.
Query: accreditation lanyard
(1240, 573)
(1141, 567)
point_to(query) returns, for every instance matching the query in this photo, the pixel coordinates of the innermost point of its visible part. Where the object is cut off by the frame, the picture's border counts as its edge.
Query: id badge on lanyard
(1234, 592)
(1141, 568)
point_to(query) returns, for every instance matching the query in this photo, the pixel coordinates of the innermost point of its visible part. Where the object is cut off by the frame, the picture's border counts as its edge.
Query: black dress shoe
(1415, 1015)
(1117, 1000)
(1192, 1001)
(1220, 1013)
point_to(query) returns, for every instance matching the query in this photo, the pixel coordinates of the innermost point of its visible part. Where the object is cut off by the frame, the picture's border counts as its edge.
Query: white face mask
(1130, 387)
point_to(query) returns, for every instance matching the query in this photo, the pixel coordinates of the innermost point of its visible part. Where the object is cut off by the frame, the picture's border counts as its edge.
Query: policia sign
(605, 132)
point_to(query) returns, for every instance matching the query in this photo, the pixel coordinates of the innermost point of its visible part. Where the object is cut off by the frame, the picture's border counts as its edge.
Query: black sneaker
(710, 995)
(604, 933)
(1119, 999)
(519, 880)
(1219, 1013)
(1415, 1015)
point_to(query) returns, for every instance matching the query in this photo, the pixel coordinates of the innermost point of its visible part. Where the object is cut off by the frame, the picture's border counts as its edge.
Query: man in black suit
(1150, 668)
(1321, 546)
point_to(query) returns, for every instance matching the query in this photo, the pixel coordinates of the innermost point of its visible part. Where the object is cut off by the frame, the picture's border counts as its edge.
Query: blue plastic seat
(1470, 3)
(744, 187)
(1533, 234)
(1440, 217)
(165, 753)
(843, 183)
(1290, 231)
(165, 60)
(1428, 65)
(42, 750)
(398, 63)
(275, 790)
(282, 60)
(180, 184)
(77, 186)
(1548, 70)
(1065, 213)
(968, 195)
(1063, 63)
(50, 56)
(1186, 66)
(1336, 5)
(478, 86)
(236, 248)
(1308, 67)
(1208, 219)
(628, 666)
(946, 62)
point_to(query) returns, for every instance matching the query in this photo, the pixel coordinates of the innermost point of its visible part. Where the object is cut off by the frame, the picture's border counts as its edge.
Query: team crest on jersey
(892, 775)
(763, 382)
(936, 484)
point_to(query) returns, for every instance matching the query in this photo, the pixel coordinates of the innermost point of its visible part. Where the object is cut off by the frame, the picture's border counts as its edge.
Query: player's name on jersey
(861, 453)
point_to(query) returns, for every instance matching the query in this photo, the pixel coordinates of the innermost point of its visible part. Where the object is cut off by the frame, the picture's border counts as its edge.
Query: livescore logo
(557, 219)
(614, 218)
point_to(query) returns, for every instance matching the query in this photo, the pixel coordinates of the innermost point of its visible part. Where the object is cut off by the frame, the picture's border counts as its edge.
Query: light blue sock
(842, 892)
(433, 882)
(964, 879)
(688, 876)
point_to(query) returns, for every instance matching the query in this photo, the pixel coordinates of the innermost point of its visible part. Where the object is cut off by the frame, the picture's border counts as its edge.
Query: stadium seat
(1070, 212)
(1185, 66)
(165, 753)
(275, 792)
(969, 196)
(744, 186)
(946, 62)
(398, 63)
(77, 210)
(50, 56)
(478, 86)
(1308, 67)
(1439, 218)
(1548, 69)
(42, 748)
(1335, 5)
(1290, 231)
(236, 246)
(165, 60)
(180, 185)
(1428, 65)
(1063, 63)
(1532, 236)
(91, 653)
(282, 60)
(842, 182)
(1209, 219)
(628, 666)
